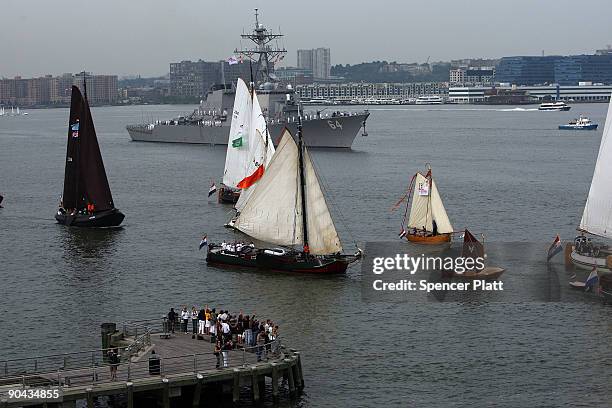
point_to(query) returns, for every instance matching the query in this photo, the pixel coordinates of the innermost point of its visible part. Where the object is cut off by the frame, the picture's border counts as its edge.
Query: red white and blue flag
(203, 242)
(403, 233)
(591, 280)
(212, 189)
(554, 249)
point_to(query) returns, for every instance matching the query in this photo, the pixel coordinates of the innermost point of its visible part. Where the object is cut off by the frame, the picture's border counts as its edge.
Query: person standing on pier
(171, 320)
(217, 353)
(113, 360)
(185, 318)
(194, 321)
(261, 343)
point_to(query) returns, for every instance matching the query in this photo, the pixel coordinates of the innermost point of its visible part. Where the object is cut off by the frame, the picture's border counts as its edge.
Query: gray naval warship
(210, 122)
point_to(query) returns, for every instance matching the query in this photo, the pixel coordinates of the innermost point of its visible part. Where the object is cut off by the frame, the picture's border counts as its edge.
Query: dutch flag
(212, 189)
(591, 280)
(203, 242)
(554, 249)
(402, 233)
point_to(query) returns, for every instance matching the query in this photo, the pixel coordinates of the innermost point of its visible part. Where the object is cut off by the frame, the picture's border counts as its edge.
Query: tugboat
(427, 221)
(554, 106)
(582, 123)
(287, 208)
(87, 199)
(249, 149)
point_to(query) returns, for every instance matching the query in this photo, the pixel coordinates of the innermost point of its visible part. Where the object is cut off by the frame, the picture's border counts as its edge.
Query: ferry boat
(582, 123)
(554, 106)
(429, 100)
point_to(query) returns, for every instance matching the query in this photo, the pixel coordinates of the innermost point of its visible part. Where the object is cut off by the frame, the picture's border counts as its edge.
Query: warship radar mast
(264, 55)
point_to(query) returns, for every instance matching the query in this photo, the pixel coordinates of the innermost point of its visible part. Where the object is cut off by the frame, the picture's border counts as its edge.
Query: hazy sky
(143, 36)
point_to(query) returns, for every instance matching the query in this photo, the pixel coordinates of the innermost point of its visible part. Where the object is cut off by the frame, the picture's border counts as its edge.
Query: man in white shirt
(225, 328)
(185, 316)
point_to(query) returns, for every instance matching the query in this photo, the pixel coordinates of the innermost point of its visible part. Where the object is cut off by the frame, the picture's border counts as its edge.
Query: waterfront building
(576, 93)
(194, 79)
(318, 60)
(363, 90)
(555, 69)
(472, 75)
(50, 90)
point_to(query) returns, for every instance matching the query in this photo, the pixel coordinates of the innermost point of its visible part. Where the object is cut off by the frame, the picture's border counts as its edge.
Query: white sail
(597, 215)
(427, 206)
(273, 212)
(237, 146)
(322, 235)
(261, 148)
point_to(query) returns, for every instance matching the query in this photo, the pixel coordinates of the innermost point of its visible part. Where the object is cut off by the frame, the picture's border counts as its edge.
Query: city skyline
(124, 38)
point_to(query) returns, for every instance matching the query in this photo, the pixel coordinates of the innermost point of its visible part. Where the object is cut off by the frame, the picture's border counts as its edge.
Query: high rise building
(194, 79)
(318, 60)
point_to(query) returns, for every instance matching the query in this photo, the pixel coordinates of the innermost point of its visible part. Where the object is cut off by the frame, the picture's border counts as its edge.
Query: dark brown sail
(472, 248)
(85, 181)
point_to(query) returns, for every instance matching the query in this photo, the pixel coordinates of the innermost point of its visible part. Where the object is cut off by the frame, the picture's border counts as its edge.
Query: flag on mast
(203, 242)
(212, 189)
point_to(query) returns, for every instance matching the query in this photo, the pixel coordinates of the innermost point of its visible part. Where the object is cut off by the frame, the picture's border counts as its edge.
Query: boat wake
(517, 110)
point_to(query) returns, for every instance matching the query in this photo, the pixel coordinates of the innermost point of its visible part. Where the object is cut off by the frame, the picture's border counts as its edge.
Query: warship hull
(332, 131)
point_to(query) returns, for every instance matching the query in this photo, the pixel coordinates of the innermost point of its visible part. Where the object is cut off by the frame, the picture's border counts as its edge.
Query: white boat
(429, 100)
(582, 123)
(554, 106)
(597, 215)
(249, 147)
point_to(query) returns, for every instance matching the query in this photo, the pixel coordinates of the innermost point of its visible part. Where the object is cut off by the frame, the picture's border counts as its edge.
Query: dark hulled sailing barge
(287, 208)
(87, 199)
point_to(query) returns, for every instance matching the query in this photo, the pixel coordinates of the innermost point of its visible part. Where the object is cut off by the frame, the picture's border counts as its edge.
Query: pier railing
(90, 368)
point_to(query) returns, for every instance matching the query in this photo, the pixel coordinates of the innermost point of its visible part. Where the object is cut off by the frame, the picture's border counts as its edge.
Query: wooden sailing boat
(472, 248)
(288, 208)
(249, 148)
(597, 215)
(87, 199)
(425, 220)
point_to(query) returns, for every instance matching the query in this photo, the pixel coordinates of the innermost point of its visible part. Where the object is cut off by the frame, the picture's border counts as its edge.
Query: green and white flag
(237, 142)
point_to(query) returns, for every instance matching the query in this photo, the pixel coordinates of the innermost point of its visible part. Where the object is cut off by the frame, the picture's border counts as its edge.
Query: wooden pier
(181, 372)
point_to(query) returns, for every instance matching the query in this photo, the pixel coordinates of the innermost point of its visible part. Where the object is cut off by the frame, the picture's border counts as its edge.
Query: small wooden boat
(472, 248)
(87, 200)
(425, 220)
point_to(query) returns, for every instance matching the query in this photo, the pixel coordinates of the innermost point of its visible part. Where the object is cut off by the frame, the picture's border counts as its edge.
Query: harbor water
(504, 171)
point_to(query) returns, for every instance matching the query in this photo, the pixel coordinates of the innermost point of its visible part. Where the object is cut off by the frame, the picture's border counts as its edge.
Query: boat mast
(78, 141)
(302, 184)
(263, 55)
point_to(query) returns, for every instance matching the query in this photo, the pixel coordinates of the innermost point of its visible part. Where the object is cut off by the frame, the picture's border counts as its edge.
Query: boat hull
(429, 240)
(216, 256)
(488, 273)
(336, 132)
(589, 262)
(585, 127)
(228, 195)
(558, 109)
(102, 219)
(311, 264)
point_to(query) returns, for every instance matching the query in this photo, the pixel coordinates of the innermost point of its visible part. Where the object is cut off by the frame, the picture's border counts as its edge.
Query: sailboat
(288, 208)
(472, 248)
(425, 220)
(249, 148)
(87, 199)
(597, 215)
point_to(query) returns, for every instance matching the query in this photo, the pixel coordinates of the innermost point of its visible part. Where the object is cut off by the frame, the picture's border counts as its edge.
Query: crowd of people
(228, 331)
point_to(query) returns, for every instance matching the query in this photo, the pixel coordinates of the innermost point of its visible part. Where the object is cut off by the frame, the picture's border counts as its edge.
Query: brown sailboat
(425, 220)
(472, 248)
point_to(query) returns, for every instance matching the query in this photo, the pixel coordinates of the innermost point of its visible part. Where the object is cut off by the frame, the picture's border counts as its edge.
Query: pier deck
(186, 370)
